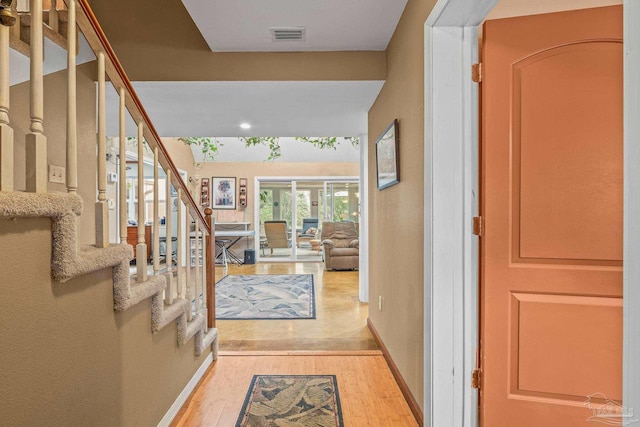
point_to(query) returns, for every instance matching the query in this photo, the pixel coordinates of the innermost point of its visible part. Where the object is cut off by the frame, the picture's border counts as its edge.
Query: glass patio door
(302, 206)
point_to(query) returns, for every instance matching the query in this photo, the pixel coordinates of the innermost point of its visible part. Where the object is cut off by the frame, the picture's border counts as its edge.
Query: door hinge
(478, 226)
(476, 72)
(476, 377)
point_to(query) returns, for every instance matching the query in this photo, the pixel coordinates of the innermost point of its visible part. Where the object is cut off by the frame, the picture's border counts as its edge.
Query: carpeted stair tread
(69, 261)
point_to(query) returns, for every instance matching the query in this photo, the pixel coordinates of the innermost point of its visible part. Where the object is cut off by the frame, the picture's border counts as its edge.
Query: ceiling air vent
(288, 33)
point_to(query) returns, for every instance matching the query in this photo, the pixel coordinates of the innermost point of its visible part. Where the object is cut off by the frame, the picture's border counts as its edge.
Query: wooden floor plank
(369, 395)
(340, 324)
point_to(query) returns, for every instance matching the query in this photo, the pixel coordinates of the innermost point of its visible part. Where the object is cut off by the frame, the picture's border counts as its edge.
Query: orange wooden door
(551, 254)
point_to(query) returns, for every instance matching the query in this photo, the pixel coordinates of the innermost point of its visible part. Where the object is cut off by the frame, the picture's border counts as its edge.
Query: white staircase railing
(174, 289)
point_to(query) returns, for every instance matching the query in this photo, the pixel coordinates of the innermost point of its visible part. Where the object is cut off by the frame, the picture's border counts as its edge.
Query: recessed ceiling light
(245, 125)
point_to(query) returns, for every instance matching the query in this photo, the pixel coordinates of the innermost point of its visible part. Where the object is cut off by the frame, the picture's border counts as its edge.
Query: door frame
(451, 187)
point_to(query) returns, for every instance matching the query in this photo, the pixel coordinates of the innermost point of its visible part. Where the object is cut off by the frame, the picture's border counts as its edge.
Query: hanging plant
(209, 146)
(272, 142)
(322, 143)
(355, 141)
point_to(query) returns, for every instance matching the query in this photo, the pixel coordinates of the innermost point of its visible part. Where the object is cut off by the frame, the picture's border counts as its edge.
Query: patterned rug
(265, 296)
(292, 400)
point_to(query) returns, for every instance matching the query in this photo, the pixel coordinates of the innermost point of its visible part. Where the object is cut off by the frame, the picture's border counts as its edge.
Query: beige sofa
(341, 246)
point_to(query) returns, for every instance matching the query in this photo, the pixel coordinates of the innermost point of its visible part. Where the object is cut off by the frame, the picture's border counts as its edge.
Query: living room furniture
(276, 234)
(132, 239)
(309, 230)
(341, 246)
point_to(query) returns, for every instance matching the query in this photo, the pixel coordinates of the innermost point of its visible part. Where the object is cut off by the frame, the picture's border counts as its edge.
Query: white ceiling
(243, 25)
(272, 108)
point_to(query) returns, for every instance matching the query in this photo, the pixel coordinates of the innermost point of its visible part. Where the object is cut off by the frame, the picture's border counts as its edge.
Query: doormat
(265, 297)
(292, 400)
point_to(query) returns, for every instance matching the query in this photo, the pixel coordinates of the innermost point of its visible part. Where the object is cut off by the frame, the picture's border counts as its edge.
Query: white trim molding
(363, 268)
(186, 392)
(451, 159)
(631, 272)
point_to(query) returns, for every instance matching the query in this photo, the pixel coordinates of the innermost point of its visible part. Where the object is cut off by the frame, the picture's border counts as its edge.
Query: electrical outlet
(380, 302)
(56, 174)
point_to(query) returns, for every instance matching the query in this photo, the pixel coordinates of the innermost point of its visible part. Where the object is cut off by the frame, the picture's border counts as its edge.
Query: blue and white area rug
(292, 400)
(265, 296)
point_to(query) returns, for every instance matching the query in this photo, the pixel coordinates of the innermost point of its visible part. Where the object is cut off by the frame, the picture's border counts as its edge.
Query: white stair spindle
(141, 248)
(196, 281)
(203, 281)
(6, 133)
(102, 207)
(54, 17)
(187, 284)
(72, 139)
(169, 242)
(180, 244)
(156, 215)
(35, 141)
(122, 179)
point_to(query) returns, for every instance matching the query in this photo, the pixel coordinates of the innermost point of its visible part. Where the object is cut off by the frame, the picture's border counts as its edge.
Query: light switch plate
(56, 174)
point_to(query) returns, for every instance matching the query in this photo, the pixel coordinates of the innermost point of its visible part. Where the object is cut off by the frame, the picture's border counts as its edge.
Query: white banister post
(187, 275)
(122, 179)
(72, 144)
(180, 244)
(141, 248)
(6, 133)
(35, 141)
(156, 215)
(102, 207)
(169, 242)
(196, 279)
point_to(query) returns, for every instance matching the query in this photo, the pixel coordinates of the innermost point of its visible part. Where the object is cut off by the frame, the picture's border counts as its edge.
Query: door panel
(551, 254)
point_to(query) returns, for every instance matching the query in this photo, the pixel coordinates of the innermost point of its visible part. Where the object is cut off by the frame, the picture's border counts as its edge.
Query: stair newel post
(187, 271)
(35, 141)
(180, 244)
(196, 278)
(156, 215)
(6, 133)
(102, 207)
(211, 272)
(141, 248)
(169, 241)
(72, 144)
(122, 179)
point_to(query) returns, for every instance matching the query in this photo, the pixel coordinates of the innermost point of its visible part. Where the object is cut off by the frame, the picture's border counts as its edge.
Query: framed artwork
(387, 161)
(204, 192)
(223, 192)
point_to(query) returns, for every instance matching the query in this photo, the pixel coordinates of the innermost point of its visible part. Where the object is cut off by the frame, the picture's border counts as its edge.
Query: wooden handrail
(96, 38)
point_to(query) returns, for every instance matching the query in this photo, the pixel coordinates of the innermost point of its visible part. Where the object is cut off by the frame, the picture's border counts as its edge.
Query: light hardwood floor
(369, 395)
(337, 342)
(340, 324)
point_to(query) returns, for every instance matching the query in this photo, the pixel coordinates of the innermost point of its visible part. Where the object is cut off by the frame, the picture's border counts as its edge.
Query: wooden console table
(132, 238)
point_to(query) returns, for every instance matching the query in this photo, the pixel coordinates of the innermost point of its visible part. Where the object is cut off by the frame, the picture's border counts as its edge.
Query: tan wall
(250, 170)
(396, 213)
(163, 43)
(67, 357)
(55, 116)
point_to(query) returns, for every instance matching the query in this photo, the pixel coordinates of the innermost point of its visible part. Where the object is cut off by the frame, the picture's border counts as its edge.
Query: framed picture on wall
(223, 192)
(204, 192)
(387, 160)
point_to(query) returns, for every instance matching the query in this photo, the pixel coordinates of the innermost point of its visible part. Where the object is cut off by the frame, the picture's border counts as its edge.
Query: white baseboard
(186, 392)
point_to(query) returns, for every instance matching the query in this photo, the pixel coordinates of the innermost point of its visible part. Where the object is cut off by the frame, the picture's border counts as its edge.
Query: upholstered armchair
(341, 246)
